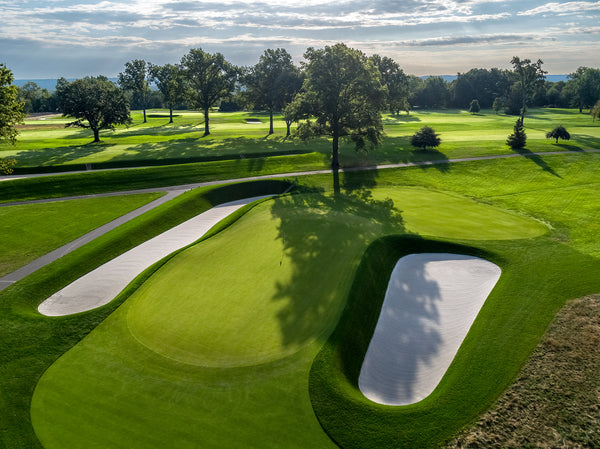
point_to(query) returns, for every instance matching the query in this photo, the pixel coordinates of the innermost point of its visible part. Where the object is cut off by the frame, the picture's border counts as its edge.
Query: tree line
(497, 89)
(337, 91)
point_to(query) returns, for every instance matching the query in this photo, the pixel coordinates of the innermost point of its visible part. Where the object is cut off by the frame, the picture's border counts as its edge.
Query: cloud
(562, 9)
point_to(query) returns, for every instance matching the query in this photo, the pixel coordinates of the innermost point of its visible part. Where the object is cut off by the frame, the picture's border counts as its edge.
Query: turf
(33, 230)
(48, 143)
(259, 301)
(538, 282)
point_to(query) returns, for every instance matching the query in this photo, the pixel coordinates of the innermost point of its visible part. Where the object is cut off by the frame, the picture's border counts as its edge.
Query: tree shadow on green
(323, 238)
(538, 160)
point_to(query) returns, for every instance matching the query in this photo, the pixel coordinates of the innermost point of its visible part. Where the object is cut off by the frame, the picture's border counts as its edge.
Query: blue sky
(75, 38)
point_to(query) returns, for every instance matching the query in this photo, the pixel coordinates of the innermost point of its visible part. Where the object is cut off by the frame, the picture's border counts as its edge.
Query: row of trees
(247, 87)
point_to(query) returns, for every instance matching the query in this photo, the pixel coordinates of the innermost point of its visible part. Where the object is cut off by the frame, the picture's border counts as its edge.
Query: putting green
(438, 214)
(214, 350)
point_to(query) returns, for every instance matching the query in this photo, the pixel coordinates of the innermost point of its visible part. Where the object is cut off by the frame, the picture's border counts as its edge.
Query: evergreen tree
(425, 137)
(518, 138)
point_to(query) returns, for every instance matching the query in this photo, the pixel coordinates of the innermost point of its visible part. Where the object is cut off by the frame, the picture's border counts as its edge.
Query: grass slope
(257, 304)
(554, 401)
(33, 230)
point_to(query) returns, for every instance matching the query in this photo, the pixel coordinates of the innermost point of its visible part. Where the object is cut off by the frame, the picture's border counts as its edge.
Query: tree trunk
(288, 126)
(206, 127)
(96, 134)
(144, 114)
(335, 163)
(271, 121)
(171, 114)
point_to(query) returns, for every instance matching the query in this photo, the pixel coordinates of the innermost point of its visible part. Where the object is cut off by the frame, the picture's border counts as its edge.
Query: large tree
(529, 76)
(343, 92)
(11, 114)
(586, 87)
(272, 82)
(169, 79)
(210, 78)
(396, 82)
(95, 102)
(135, 79)
(11, 109)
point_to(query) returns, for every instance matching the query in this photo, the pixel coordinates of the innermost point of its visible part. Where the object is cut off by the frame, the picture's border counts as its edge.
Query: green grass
(163, 389)
(47, 143)
(32, 230)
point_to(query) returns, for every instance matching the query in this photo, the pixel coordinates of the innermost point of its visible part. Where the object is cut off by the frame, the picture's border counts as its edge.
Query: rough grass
(554, 402)
(32, 230)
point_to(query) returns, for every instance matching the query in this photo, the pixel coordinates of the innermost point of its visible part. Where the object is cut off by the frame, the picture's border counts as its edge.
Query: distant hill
(48, 83)
(551, 78)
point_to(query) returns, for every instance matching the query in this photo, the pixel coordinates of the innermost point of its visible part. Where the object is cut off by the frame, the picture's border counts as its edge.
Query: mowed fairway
(214, 350)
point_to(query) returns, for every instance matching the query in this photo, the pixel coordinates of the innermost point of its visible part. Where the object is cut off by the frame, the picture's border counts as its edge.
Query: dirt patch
(555, 401)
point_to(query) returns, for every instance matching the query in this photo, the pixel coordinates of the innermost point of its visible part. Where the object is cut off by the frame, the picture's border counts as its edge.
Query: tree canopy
(210, 78)
(529, 75)
(425, 137)
(343, 93)
(559, 132)
(272, 82)
(518, 138)
(95, 102)
(11, 109)
(170, 80)
(396, 82)
(135, 79)
(587, 87)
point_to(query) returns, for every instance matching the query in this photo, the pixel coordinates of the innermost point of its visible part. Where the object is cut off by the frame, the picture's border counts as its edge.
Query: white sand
(103, 284)
(430, 305)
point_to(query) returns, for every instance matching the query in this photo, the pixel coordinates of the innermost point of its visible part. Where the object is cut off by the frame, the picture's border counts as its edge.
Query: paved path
(71, 246)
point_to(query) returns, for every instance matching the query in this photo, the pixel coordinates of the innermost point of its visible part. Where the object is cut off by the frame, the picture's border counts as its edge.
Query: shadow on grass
(324, 236)
(537, 159)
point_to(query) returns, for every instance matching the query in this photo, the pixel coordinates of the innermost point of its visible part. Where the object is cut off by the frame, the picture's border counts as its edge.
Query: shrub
(474, 107)
(425, 137)
(558, 133)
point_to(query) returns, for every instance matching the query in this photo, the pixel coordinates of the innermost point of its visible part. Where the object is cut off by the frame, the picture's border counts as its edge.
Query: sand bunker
(103, 284)
(429, 306)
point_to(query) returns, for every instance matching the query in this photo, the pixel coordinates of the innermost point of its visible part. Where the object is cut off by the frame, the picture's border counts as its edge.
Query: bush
(518, 138)
(474, 107)
(558, 133)
(425, 137)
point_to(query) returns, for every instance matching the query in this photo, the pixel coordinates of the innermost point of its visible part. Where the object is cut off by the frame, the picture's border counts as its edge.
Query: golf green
(214, 350)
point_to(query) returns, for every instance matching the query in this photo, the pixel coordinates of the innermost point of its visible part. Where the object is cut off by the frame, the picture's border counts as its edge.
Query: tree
(425, 137)
(95, 102)
(434, 93)
(272, 82)
(517, 139)
(135, 79)
(11, 109)
(210, 78)
(558, 133)
(497, 105)
(396, 82)
(35, 98)
(586, 86)
(474, 107)
(530, 75)
(170, 81)
(343, 92)
(595, 111)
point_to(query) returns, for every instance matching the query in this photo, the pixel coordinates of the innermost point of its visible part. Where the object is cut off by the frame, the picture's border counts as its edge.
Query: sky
(76, 38)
